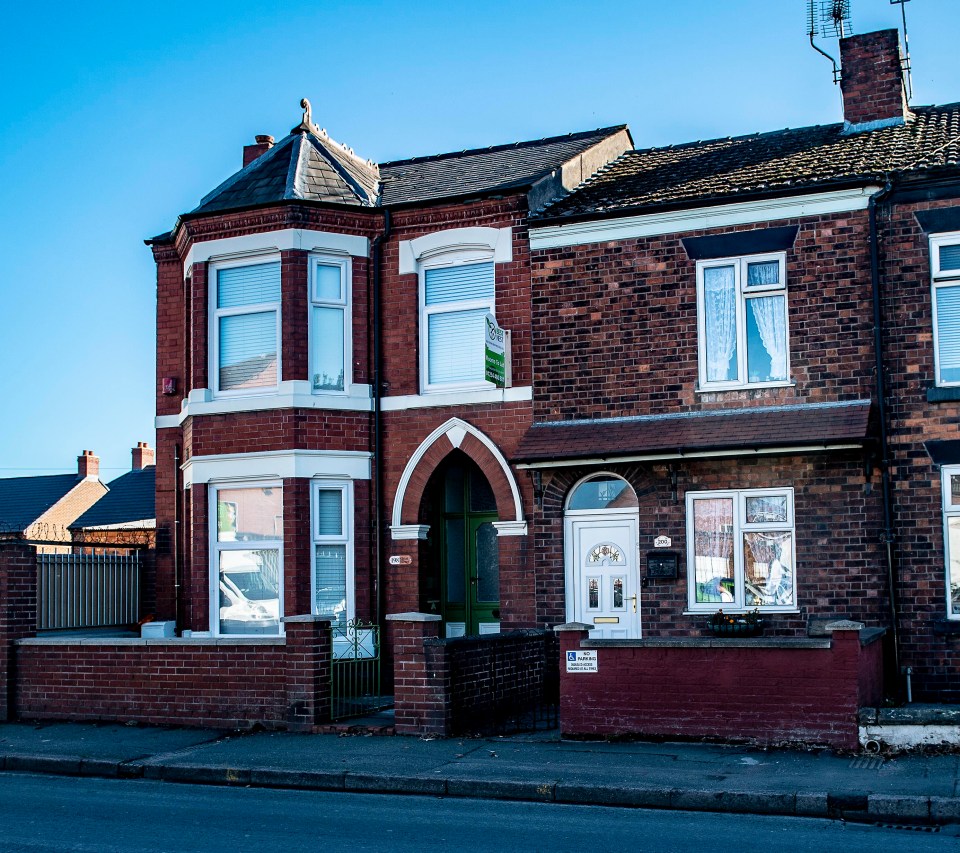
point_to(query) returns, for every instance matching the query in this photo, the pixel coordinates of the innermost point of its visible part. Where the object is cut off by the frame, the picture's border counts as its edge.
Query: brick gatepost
(420, 687)
(308, 656)
(18, 614)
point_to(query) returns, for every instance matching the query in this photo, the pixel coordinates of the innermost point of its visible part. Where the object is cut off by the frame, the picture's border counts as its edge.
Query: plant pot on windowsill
(740, 625)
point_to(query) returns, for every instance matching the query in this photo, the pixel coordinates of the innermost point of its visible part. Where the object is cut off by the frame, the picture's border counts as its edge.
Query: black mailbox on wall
(663, 564)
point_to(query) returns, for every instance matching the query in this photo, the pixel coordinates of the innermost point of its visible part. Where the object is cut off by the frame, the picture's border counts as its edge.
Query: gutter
(887, 537)
(377, 251)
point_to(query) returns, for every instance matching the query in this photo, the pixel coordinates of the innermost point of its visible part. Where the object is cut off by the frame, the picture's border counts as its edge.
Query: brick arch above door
(452, 435)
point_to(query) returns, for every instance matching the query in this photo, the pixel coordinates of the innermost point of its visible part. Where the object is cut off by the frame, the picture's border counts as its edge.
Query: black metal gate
(355, 671)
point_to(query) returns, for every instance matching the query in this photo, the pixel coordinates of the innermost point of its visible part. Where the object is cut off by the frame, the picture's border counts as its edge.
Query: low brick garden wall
(468, 684)
(757, 690)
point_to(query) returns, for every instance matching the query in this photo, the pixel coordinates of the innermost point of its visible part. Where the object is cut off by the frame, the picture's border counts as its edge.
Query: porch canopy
(800, 428)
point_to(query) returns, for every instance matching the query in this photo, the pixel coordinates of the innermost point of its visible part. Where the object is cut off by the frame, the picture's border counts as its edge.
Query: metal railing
(355, 670)
(87, 590)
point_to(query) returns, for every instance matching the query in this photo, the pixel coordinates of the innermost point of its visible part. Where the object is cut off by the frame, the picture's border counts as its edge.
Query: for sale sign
(495, 348)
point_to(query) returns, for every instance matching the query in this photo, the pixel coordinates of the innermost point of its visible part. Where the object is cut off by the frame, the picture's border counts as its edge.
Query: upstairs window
(945, 265)
(246, 327)
(454, 301)
(329, 324)
(742, 319)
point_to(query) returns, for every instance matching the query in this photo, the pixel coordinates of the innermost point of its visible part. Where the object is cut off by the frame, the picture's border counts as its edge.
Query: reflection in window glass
(768, 568)
(250, 591)
(766, 508)
(617, 593)
(713, 550)
(594, 593)
(488, 563)
(330, 567)
(603, 493)
(245, 515)
(954, 567)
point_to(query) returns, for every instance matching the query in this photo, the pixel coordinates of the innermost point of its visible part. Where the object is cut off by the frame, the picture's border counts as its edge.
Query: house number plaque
(401, 560)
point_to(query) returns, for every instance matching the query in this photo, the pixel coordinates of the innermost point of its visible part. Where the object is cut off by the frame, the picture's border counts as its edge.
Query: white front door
(602, 582)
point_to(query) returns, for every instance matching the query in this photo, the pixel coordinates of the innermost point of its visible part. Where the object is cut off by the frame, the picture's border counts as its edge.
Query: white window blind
(329, 512)
(455, 342)
(950, 257)
(948, 333)
(237, 286)
(463, 283)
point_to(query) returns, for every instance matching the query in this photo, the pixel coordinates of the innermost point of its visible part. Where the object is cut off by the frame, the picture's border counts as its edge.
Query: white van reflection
(249, 601)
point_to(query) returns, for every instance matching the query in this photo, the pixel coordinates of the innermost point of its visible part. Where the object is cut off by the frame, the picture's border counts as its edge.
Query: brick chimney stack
(88, 465)
(143, 456)
(871, 80)
(251, 152)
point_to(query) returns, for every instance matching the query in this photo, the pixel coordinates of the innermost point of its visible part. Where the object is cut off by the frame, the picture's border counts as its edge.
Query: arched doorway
(601, 543)
(461, 581)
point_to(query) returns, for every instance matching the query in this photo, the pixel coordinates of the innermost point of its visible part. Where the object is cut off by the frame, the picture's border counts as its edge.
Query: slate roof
(130, 499)
(24, 499)
(302, 166)
(483, 170)
(704, 431)
(809, 158)
(309, 166)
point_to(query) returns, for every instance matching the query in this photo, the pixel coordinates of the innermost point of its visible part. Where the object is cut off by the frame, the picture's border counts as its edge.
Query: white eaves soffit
(276, 241)
(277, 465)
(700, 218)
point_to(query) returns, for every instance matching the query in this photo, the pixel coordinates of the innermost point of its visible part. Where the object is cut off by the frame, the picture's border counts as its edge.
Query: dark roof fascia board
(710, 201)
(799, 446)
(283, 202)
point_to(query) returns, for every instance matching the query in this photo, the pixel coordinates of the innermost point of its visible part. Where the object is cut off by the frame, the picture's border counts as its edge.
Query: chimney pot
(264, 142)
(88, 465)
(871, 80)
(143, 456)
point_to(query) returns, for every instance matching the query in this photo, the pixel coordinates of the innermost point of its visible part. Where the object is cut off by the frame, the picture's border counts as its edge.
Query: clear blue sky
(116, 117)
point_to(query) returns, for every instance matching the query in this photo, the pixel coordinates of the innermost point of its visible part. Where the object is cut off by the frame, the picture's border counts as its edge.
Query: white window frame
(216, 546)
(948, 512)
(345, 538)
(941, 279)
(345, 302)
(216, 313)
(743, 294)
(740, 527)
(439, 260)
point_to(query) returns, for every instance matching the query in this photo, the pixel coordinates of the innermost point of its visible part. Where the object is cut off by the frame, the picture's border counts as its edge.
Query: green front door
(469, 555)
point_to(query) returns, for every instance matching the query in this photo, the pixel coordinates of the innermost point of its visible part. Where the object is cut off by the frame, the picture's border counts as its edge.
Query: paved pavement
(906, 789)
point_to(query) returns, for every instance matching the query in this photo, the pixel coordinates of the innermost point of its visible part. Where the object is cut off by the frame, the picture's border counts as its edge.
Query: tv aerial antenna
(828, 19)
(905, 61)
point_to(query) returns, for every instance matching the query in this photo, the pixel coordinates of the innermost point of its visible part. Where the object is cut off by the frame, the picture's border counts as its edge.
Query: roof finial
(307, 112)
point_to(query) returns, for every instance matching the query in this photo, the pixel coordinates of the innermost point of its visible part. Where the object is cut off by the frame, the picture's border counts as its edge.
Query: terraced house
(731, 381)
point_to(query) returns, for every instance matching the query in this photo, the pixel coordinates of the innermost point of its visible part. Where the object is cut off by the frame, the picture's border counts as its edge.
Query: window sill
(943, 394)
(432, 399)
(758, 386)
(763, 611)
(292, 394)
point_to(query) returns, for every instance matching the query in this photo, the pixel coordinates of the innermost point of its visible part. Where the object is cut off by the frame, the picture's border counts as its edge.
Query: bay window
(329, 323)
(455, 298)
(945, 267)
(951, 536)
(247, 558)
(332, 551)
(245, 333)
(742, 320)
(740, 550)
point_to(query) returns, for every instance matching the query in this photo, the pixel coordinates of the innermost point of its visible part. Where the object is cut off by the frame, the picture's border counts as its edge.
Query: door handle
(633, 598)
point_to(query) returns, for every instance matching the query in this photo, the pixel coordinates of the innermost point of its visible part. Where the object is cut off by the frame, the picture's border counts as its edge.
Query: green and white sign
(495, 348)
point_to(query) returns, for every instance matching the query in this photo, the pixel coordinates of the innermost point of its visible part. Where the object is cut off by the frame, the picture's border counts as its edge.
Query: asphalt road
(49, 813)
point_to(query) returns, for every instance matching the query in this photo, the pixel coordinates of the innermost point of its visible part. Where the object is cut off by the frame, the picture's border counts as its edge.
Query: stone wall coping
(413, 616)
(710, 643)
(844, 625)
(156, 641)
(573, 626)
(309, 617)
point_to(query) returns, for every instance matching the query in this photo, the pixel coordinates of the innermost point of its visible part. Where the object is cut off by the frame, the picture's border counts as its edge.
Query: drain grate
(867, 762)
(909, 827)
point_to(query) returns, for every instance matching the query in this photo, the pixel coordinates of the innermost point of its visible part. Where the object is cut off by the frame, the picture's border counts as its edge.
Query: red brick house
(694, 419)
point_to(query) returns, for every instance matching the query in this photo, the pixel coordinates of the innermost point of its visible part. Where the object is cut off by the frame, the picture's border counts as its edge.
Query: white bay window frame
(343, 304)
(441, 260)
(218, 546)
(217, 313)
(945, 283)
(951, 545)
(344, 539)
(743, 295)
(739, 528)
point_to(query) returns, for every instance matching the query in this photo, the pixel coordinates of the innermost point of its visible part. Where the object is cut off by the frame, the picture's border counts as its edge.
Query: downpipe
(377, 251)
